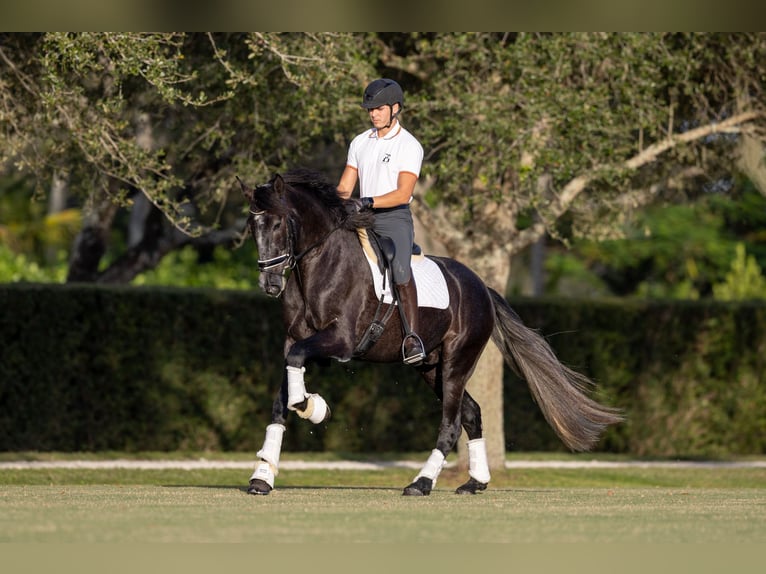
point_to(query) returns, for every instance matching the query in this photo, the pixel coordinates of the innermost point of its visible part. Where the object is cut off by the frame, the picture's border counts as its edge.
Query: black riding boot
(413, 352)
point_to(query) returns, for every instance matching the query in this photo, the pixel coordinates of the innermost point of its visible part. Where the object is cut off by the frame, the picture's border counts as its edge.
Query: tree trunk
(90, 244)
(537, 266)
(752, 161)
(59, 192)
(57, 199)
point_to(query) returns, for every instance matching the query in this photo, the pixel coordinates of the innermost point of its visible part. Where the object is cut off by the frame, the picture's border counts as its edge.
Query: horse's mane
(344, 211)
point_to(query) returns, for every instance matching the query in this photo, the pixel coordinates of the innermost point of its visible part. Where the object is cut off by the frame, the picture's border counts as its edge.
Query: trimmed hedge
(125, 368)
(87, 368)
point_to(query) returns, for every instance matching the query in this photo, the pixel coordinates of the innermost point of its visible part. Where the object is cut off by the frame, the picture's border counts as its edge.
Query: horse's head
(291, 216)
(272, 230)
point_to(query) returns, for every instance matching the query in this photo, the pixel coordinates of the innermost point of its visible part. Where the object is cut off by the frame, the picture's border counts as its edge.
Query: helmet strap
(392, 115)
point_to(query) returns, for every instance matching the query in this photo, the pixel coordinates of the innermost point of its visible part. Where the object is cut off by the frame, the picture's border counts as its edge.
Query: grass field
(708, 505)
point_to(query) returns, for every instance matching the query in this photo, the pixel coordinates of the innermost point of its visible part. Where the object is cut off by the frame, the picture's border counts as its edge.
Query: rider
(386, 160)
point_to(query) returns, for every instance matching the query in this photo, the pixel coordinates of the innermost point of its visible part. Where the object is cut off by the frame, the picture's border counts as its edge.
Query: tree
(159, 124)
(672, 251)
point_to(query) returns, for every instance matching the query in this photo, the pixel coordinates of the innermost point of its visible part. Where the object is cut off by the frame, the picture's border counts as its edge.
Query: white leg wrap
(265, 472)
(268, 467)
(316, 409)
(272, 445)
(433, 466)
(477, 460)
(296, 387)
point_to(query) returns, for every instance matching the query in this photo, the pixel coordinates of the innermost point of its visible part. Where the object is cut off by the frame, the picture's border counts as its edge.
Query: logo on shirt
(387, 158)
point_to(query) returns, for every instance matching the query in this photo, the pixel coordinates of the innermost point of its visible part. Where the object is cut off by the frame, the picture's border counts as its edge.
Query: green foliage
(15, 267)
(165, 112)
(744, 281)
(505, 112)
(507, 119)
(682, 251)
(33, 244)
(225, 270)
(92, 368)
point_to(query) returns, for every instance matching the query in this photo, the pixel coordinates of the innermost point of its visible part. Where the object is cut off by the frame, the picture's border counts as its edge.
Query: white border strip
(204, 464)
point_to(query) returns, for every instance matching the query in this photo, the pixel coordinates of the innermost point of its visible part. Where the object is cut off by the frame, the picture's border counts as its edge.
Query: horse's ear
(279, 185)
(246, 191)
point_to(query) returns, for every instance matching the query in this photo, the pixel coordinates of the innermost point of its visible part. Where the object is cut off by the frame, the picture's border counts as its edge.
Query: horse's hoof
(327, 415)
(421, 487)
(258, 486)
(316, 410)
(471, 487)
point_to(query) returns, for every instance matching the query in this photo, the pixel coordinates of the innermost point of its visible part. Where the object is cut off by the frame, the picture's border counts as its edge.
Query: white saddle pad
(429, 281)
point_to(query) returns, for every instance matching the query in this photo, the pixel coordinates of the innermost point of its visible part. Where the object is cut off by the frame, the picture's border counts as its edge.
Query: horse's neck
(331, 250)
(332, 247)
(334, 259)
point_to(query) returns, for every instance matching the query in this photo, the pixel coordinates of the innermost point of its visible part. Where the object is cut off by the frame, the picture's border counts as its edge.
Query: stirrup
(417, 357)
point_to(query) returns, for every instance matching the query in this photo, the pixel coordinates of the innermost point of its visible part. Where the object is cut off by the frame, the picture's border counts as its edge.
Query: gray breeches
(397, 224)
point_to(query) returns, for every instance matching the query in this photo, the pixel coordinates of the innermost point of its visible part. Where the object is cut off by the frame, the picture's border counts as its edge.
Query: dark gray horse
(300, 224)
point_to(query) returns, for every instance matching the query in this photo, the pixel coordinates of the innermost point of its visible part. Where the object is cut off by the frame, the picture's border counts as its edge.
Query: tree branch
(564, 200)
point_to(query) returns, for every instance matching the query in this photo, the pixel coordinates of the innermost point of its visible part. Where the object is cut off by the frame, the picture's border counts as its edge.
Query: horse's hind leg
(448, 379)
(478, 467)
(450, 393)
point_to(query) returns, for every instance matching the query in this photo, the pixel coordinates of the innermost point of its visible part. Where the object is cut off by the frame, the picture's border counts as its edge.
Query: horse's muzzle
(272, 284)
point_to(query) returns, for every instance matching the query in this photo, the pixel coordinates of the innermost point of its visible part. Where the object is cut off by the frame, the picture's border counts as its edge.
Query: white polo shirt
(378, 161)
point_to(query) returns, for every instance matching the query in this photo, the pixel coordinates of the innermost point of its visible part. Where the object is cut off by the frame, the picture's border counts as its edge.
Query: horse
(311, 258)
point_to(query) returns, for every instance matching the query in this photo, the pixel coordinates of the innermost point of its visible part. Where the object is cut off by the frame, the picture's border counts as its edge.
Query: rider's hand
(356, 205)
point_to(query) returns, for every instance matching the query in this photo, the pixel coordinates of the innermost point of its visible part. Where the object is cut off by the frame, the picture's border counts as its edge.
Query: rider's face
(381, 117)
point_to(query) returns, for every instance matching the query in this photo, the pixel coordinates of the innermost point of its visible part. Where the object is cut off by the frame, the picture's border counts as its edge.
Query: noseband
(287, 259)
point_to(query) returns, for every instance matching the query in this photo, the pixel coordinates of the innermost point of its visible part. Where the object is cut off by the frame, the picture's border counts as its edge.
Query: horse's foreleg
(325, 343)
(267, 468)
(307, 406)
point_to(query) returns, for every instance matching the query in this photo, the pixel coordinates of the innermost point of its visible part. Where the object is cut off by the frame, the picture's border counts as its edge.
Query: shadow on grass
(391, 489)
(281, 488)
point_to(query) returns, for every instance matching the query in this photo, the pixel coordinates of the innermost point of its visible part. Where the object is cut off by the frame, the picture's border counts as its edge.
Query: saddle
(381, 250)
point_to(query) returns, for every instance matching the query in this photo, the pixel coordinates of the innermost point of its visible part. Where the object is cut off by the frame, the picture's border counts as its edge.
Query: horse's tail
(560, 392)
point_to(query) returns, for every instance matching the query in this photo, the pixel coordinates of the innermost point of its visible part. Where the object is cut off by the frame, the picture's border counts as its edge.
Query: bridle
(288, 259)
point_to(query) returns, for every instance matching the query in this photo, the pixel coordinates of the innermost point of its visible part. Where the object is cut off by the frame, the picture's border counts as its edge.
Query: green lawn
(560, 506)
(176, 513)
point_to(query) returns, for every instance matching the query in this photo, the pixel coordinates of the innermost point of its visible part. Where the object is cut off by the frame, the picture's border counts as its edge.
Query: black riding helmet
(382, 92)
